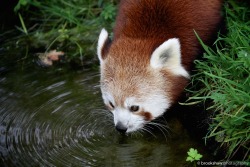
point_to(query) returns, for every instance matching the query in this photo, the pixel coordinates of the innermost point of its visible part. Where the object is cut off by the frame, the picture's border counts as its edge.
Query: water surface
(56, 117)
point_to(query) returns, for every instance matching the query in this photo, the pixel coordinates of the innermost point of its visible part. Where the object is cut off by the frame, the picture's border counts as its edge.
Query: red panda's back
(159, 20)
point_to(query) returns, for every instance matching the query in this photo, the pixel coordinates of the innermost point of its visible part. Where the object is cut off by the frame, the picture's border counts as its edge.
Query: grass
(69, 26)
(224, 78)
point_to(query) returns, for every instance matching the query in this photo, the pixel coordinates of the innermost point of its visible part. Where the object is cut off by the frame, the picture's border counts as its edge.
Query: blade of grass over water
(23, 24)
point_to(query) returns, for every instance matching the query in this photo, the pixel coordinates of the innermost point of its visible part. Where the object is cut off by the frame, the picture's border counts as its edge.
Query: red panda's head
(138, 85)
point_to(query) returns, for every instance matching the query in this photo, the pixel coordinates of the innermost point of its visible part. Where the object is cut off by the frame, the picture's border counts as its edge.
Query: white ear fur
(103, 37)
(168, 55)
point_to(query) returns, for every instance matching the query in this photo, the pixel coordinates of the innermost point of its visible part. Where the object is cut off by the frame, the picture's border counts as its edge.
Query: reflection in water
(56, 118)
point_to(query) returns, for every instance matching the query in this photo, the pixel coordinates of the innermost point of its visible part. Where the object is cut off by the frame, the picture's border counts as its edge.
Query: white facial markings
(135, 122)
(153, 101)
(130, 101)
(129, 120)
(107, 98)
(156, 104)
(121, 115)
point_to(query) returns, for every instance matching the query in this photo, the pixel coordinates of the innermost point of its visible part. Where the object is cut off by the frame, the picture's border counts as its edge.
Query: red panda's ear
(103, 45)
(168, 56)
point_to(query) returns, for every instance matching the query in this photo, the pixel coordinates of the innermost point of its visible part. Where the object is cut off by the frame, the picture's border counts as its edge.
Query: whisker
(145, 128)
(136, 133)
(162, 126)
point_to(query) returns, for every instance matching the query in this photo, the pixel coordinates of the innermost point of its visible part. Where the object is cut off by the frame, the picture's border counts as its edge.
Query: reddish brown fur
(142, 25)
(147, 115)
(159, 20)
(125, 65)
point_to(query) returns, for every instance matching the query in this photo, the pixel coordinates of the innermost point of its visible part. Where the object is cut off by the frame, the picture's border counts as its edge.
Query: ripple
(47, 119)
(54, 127)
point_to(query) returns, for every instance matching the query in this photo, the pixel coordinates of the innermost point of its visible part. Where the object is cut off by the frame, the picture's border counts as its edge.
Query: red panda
(146, 66)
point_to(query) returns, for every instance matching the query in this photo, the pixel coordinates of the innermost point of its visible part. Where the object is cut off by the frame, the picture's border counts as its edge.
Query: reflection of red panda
(146, 66)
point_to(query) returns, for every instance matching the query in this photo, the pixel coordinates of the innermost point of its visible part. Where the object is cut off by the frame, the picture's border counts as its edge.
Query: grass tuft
(69, 26)
(225, 78)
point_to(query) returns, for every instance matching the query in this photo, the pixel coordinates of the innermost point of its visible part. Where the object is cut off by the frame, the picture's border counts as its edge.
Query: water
(55, 117)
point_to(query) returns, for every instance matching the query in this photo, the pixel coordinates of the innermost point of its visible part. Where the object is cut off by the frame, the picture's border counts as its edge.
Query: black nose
(120, 127)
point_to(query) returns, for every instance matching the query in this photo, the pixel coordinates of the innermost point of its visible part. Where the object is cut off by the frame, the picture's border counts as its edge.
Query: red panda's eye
(111, 104)
(134, 108)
